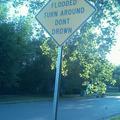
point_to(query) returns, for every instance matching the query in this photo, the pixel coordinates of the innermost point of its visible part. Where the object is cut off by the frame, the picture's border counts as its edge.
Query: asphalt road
(69, 109)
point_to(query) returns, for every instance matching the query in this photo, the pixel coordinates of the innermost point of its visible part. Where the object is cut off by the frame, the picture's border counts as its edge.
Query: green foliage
(101, 77)
(28, 57)
(3, 11)
(12, 47)
(117, 117)
(84, 58)
(98, 87)
(116, 76)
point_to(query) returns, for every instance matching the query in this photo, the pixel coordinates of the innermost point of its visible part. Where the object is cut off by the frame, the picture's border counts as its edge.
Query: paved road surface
(69, 109)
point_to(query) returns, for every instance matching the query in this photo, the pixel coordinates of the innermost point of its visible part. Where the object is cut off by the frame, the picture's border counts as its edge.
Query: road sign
(61, 18)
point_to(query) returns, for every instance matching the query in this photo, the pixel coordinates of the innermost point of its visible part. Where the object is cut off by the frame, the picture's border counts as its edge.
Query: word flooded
(63, 3)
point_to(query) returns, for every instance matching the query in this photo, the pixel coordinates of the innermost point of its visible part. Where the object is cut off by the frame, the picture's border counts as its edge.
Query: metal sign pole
(57, 83)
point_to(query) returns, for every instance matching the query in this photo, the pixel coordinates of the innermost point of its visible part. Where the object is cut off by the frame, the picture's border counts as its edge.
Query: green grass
(31, 98)
(17, 98)
(113, 93)
(115, 118)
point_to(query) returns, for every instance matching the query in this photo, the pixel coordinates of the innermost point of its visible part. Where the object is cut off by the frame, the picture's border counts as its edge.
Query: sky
(22, 10)
(113, 56)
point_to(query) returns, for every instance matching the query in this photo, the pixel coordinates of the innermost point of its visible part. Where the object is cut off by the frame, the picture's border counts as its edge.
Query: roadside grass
(18, 98)
(115, 117)
(32, 98)
(77, 97)
(113, 93)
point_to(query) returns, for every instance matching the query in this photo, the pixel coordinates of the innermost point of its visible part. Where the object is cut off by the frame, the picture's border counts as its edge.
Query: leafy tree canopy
(84, 64)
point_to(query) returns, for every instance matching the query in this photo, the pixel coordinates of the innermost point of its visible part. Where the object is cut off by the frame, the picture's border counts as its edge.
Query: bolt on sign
(61, 18)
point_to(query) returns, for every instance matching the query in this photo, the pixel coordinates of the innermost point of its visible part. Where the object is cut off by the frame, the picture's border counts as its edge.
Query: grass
(31, 98)
(18, 98)
(113, 93)
(115, 117)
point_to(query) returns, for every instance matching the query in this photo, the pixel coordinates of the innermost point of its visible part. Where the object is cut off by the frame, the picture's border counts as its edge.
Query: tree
(101, 77)
(116, 76)
(3, 11)
(36, 77)
(84, 66)
(13, 46)
(86, 54)
(20, 55)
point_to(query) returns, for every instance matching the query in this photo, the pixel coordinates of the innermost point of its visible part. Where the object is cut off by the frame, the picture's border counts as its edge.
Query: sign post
(57, 83)
(61, 19)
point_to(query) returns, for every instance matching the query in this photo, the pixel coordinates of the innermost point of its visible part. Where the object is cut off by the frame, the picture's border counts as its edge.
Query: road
(69, 109)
